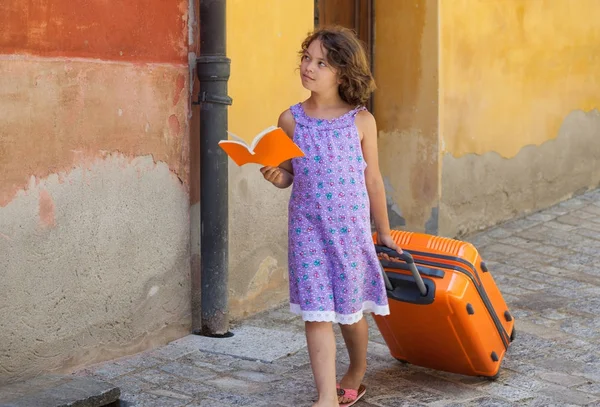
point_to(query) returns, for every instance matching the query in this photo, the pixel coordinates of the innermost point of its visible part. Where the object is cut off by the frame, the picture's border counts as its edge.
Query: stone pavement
(547, 266)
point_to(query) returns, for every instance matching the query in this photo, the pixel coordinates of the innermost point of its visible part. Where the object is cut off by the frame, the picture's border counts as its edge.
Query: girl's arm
(283, 175)
(365, 123)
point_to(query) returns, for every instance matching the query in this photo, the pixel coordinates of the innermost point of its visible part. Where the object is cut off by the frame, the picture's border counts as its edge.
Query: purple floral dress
(333, 268)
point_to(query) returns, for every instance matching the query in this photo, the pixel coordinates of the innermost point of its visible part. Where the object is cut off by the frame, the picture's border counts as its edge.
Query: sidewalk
(548, 267)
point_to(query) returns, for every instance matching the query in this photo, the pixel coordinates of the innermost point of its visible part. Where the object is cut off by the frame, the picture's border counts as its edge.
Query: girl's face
(315, 72)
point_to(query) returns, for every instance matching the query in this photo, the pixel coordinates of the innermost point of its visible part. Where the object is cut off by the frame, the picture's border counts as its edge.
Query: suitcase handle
(411, 265)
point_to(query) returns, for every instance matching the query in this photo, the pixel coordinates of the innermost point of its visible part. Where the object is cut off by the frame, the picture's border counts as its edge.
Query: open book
(270, 147)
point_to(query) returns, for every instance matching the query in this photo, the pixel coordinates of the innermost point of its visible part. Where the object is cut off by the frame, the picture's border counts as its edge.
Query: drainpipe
(213, 72)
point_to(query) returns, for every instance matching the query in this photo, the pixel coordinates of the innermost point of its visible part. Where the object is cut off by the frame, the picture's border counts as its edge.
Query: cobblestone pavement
(547, 266)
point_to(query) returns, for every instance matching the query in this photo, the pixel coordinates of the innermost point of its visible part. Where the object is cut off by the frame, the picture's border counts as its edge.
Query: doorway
(354, 14)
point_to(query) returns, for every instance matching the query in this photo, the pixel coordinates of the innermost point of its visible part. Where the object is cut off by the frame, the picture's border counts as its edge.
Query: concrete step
(60, 391)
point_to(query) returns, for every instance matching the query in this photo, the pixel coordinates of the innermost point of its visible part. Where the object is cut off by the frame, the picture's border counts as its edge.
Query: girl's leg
(321, 349)
(356, 337)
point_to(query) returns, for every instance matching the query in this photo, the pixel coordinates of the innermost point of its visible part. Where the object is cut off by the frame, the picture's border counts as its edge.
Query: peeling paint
(481, 190)
(179, 85)
(174, 126)
(122, 113)
(46, 210)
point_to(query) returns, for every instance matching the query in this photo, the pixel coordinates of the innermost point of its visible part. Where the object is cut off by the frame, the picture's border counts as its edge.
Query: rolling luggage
(446, 312)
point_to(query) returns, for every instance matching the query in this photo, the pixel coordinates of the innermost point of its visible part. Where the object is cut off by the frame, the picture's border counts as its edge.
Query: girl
(333, 268)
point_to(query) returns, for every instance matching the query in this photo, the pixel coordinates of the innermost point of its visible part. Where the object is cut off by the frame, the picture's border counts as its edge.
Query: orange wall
(140, 30)
(60, 111)
(94, 175)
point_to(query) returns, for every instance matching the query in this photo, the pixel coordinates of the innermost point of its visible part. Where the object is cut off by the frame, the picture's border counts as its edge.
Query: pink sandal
(353, 395)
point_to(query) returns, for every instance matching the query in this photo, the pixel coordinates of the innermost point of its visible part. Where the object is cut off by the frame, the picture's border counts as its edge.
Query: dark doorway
(354, 14)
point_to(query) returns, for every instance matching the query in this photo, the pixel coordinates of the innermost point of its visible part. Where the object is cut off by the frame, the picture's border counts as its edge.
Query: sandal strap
(349, 393)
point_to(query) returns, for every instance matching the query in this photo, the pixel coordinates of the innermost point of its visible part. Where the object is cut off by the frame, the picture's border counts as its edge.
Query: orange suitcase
(447, 312)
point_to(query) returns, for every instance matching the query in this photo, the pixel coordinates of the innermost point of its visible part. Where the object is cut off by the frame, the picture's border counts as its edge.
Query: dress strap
(345, 120)
(298, 114)
(357, 109)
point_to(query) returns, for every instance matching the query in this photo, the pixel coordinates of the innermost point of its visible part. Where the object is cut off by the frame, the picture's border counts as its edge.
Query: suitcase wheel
(512, 335)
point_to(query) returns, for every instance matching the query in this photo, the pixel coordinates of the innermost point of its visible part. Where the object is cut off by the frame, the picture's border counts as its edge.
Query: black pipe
(213, 72)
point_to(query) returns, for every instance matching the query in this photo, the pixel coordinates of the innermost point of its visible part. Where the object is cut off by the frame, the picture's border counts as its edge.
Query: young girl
(333, 268)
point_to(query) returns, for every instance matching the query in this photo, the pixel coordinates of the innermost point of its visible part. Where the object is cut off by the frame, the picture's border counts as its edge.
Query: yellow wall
(263, 37)
(511, 71)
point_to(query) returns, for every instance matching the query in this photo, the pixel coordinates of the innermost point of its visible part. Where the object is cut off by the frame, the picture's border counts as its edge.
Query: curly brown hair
(346, 54)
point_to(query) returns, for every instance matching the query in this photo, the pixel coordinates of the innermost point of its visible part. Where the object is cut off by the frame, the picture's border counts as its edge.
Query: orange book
(270, 147)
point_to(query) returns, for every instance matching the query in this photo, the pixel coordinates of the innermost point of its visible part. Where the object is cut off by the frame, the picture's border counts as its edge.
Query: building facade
(485, 111)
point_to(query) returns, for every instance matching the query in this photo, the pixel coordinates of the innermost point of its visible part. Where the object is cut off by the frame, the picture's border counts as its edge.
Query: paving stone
(485, 402)
(589, 387)
(149, 400)
(584, 214)
(510, 393)
(208, 403)
(562, 378)
(500, 232)
(573, 203)
(554, 314)
(154, 376)
(449, 389)
(230, 383)
(556, 211)
(256, 376)
(59, 390)
(197, 359)
(169, 393)
(565, 395)
(188, 388)
(504, 249)
(298, 391)
(109, 370)
(559, 364)
(538, 302)
(520, 242)
(543, 233)
(571, 220)
(592, 225)
(131, 383)
(172, 351)
(543, 401)
(295, 359)
(586, 328)
(589, 305)
(392, 400)
(542, 216)
(272, 345)
(592, 210)
(480, 240)
(553, 251)
(258, 366)
(589, 233)
(187, 371)
(403, 391)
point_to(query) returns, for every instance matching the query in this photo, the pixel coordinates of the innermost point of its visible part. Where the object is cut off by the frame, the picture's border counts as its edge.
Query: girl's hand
(387, 241)
(277, 176)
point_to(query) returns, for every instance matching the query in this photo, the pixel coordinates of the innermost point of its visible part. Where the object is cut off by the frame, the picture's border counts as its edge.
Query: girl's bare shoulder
(365, 121)
(286, 122)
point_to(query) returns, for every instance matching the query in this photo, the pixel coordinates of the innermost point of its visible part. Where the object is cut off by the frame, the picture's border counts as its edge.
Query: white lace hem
(332, 316)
